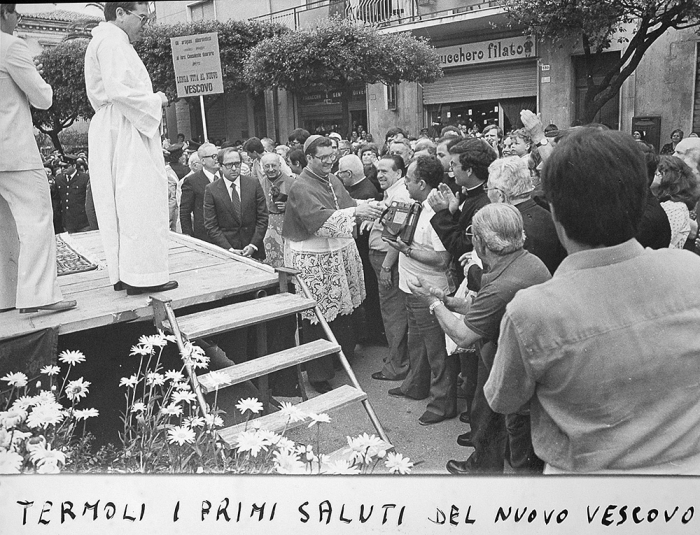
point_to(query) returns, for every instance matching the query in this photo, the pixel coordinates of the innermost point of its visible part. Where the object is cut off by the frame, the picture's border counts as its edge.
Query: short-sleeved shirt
(396, 192)
(512, 273)
(608, 353)
(425, 238)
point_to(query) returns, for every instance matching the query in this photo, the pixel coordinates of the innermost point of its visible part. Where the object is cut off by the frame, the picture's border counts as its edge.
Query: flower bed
(43, 430)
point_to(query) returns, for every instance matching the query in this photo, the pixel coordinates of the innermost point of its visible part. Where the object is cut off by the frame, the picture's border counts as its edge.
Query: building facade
(491, 72)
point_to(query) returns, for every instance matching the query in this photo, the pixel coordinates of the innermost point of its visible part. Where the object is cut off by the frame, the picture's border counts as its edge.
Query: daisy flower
(44, 397)
(194, 356)
(341, 467)
(184, 395)
(16, 379)
(194, 421)
(364, 447)
(18, 437)
(10, 462)
(181, 434)
(213, 420)
(174, 376)
(139, 406)
(284, 444)
(49, 467)
(78, 389)
(251, 442)
(12, 418)
(43, 415)
(249, 404)
(84, 414)
(71, 357)
(154, 340)
(155, 378)
(181, 386)
(287, 462)
(140, 350)
(291, 412)
(398, 464)
(173, 409)
(44, 454)
(50, 370)
(129, 381)
(24, 403)
(322, 418)
(218, 378)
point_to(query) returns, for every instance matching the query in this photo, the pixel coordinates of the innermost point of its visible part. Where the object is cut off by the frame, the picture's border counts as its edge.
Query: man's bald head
(688, 150)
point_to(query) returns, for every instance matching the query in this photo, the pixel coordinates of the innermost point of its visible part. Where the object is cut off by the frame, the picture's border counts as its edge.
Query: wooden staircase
(256, 313)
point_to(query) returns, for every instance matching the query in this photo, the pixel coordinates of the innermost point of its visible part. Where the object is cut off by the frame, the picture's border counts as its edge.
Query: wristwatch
(387, 269)
(434, 305)
(407, 252)
(542, 142)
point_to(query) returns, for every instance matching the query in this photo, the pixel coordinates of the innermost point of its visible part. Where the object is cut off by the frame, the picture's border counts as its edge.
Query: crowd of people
(544, 279)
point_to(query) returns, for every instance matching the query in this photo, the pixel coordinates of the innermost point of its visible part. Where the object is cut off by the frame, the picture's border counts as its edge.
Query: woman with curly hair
(677, 189)
(676, 137)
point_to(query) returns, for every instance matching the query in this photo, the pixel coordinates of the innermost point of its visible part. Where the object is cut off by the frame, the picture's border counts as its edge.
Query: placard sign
(197, 64)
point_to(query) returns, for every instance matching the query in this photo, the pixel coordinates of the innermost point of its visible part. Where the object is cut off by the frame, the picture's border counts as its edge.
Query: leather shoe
(321, 386)
(137, 290)
(459, 467)
(118, 286)
(430, 418)
(464, 417)
(54, 307)
(465, 439)
(398, 393)
(379, 376)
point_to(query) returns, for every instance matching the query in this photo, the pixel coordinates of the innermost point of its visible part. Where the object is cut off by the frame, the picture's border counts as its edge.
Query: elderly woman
(498, 238)
(510, 182)
(670, 148)
(677, 189)
(318, 229)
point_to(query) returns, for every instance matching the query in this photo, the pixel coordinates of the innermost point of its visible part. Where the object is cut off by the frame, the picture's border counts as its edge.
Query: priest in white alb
(127, 170)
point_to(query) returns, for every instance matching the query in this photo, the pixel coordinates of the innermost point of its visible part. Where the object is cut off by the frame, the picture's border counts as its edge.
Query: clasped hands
(421, 289)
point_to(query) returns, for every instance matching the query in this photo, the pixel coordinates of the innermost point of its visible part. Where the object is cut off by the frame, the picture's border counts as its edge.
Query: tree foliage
(63, 70)
(337, 54)
(236, 39)
(597, 23)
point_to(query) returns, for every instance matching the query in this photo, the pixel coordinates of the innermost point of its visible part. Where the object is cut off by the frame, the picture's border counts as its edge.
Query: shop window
(202, 11)
(609, 114)
(392, 91)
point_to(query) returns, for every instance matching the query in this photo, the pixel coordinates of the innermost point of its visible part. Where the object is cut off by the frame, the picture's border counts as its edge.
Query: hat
(310, 140)
(335, 135)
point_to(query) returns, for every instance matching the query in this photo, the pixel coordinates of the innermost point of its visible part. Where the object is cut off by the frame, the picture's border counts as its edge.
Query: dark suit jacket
(71, 196)
(224, 227)
(192, 202)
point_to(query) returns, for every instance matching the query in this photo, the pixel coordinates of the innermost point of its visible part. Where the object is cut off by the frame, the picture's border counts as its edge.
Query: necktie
(236, 201)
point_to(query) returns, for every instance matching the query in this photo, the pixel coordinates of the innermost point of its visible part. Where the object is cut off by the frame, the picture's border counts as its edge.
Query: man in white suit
(127, 171)
(27, 243)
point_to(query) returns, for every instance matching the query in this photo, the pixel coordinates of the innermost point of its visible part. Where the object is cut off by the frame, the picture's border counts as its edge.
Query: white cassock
(127, 170)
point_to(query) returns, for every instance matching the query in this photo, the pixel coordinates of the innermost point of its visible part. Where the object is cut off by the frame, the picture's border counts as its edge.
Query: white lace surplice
(331, 266)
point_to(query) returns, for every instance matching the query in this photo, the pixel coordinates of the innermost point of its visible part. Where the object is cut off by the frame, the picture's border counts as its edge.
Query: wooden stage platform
(205, 273)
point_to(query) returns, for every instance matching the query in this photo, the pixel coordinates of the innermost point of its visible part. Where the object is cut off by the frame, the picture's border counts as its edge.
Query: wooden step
(276, 422)
(242, 314)
(266, 364)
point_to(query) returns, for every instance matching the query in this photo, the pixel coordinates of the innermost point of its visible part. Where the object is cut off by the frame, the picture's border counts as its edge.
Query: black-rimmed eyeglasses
(231, 165)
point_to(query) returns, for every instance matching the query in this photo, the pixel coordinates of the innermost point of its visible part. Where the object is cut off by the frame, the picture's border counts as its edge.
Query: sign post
(197, 67)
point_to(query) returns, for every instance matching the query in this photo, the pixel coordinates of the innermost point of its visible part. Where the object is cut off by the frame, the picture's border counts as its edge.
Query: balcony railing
(381, 13)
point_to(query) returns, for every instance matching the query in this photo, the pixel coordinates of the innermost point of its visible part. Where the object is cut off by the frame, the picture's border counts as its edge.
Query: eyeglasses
(469, 233)
(343, 172)
(19, 16)
(145, 19)
(210, 156)
(231, 165)
(329, 158)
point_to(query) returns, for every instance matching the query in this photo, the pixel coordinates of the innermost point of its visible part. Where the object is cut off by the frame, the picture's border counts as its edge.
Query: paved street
(429, 447)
